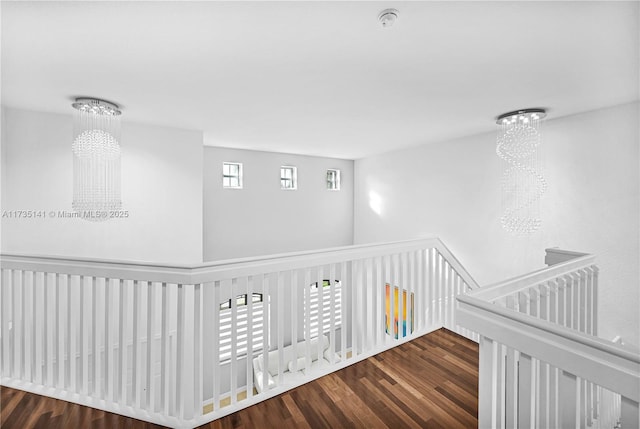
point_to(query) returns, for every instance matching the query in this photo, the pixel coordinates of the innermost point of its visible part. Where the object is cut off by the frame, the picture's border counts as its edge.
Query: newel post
(487, 384)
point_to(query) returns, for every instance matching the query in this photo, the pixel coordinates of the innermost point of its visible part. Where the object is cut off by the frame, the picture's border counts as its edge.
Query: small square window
(288, 177)
(333, 180)
(232, 175)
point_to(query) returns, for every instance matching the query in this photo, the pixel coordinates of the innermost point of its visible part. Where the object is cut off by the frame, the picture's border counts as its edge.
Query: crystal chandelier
(518, 145)
(96, 159)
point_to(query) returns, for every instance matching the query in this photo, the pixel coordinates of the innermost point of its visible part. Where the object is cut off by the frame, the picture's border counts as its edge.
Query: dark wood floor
(430, 382)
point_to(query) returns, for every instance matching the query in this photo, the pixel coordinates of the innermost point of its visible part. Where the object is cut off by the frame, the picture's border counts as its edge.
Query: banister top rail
(603, 362)
(457, 266)
(507, 287)
(213, 271)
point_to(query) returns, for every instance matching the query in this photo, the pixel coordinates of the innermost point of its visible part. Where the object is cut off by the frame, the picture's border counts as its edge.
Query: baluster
(187, 360)
(228, 289)
(543, 391)
(402, 288)
(361, 306)
(307, 318)
(295, 311)
(380, 294)
(393, 305)
(583, 402)
(594, 314)
(28, 314)
(50, 321)
(122, 343)
(431, 295)
(110, 375)
(6, 316)
(354, 304)
(523, 302)
(319, 315)
(247, 283)
(554, 396)
(589, 300)
(72, 336)
(511, 379)
(438, 287)
(630, 415)
(152, 357)
(562, 302)
(419, 291)
(584, 292)
(569, 394)
(60, 331)
(180, 345)
(535, 293)
(280, 311)
(501, 382)
(369, 308)
(572, 309)
(344, 308)
(388, 279)
(589, 312)
(332, 313)
(210, 327)
(197, 378)
(553, 301)
(215, 339)
(136, 346)
(84, 335)
(96, 358)
(487, 384)
(451, 294)
(452, 297)
(458, 290)
(18, 325)
(266, 297)
(444, 297)
(526, 392)
(40, 313)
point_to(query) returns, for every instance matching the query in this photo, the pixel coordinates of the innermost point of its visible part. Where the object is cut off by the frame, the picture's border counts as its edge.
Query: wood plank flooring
(430, 382)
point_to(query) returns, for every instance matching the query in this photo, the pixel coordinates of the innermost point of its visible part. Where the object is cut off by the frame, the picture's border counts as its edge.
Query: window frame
(230, 176)
(335, 184)
(260, 339)
(293, 179)
(314, 301)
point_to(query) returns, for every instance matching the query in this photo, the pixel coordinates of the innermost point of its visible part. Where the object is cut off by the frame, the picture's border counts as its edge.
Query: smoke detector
(387, 17)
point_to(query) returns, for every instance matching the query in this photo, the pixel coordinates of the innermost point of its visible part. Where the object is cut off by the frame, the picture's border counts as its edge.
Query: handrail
(500, 289)
(213, 271)
(456, 265)
(592, 358)
(555, 255)
(553, 328)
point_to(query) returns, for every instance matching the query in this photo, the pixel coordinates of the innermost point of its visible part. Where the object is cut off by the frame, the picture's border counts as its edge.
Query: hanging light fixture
(518, 145)
(96, 158)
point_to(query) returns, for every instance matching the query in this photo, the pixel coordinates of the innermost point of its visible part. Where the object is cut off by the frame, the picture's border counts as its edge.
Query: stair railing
(541, 364)
(182, 345)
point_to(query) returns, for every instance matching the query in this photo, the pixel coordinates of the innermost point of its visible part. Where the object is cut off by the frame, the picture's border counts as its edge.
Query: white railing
(541, 364)
(183, 345)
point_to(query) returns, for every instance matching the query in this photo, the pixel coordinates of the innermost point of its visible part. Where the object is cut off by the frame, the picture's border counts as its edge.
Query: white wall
(452, 190)
(161, 189)
(263, 219)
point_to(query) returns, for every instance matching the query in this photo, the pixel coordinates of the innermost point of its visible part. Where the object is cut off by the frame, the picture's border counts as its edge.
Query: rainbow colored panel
(403, 319)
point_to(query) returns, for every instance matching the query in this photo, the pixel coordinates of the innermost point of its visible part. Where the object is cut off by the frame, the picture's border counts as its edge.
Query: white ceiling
(321, 78)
